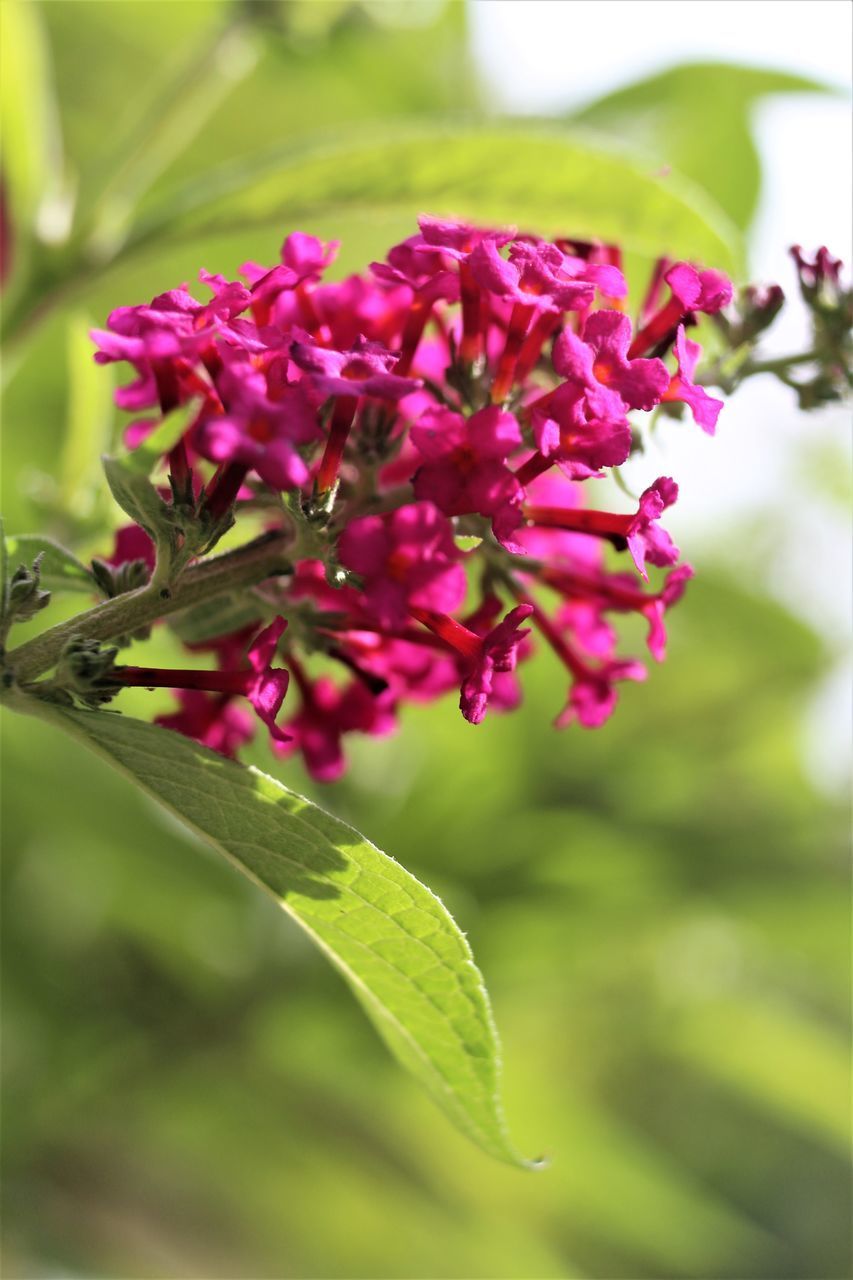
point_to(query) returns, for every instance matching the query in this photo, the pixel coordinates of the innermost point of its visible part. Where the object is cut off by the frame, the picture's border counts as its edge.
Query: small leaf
(137, 497)
(59, 570)
(389, 936)
(216, 618)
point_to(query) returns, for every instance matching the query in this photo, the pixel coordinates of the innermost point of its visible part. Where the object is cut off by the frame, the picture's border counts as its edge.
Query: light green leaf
(534, 178)
(59, 569)
(698, 119)
(29, 123)
(127, 474)
(142, 460)
(4, 581)
(389, 936)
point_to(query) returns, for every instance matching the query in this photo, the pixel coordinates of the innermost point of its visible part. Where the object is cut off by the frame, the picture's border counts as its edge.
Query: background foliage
(660, 908)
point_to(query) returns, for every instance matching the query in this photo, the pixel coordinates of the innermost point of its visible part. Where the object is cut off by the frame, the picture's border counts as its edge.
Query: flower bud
(26, 598)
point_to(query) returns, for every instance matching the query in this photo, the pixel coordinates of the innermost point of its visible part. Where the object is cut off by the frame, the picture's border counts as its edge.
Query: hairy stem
(262, 558)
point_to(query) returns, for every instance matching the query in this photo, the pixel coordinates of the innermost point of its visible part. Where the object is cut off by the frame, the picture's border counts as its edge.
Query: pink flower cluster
(433, 424)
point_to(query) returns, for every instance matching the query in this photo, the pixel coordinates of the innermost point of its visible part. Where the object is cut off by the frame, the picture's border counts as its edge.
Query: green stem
(780, 365)
(265, 557)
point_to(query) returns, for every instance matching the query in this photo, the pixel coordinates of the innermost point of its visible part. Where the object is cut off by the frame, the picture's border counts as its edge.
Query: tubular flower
(422, 434)
(705, 409)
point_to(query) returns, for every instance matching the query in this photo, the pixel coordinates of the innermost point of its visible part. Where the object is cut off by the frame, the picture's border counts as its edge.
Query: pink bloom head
(256, 430)
(457, 239)
(306, 256)
(565, 429)
(656, 605)
(421, 268)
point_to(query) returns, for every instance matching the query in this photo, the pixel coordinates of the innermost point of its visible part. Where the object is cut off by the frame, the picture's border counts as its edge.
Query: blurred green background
(661, 909)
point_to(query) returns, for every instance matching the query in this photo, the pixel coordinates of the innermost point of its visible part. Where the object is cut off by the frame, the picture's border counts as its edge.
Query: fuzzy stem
(262, 558)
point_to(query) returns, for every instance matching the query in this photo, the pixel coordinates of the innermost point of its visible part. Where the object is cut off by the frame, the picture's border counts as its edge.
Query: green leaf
(506, 174)
(698, 119)
(137, 497)
(127, 474)
(216, 617)
(389, 936)
(59, 569)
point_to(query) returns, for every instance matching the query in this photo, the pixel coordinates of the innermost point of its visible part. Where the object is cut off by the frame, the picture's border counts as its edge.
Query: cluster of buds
(425, 433)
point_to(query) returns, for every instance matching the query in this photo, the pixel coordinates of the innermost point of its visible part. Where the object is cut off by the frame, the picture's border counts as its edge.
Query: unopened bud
(26, 598)
(83, 668)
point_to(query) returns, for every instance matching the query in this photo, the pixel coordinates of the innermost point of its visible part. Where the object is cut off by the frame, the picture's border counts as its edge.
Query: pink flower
(365, 370)
(639, 533)
(457, 239)
(537, 276)
(646, 539)
(581, 444)
(692, 290)
(211, 719)
(592, 696)
(421, 268)
(589, 594)
(465, 469)
(132, 543)
(257, 431)
(705, 409)
(482, 657)
(263, 684)
(407, 558)
(497, 654)
(600, 362)
(707, 291)
(327, 713)
(266, 689)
